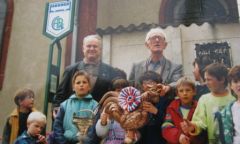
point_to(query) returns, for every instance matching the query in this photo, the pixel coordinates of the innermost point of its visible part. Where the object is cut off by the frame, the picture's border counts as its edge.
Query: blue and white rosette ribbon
(129, 98)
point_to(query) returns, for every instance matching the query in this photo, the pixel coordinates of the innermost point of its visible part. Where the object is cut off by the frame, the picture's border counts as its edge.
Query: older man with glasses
(170, 72)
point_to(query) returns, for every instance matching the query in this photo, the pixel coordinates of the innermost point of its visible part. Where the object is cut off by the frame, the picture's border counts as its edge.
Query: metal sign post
(58, 23)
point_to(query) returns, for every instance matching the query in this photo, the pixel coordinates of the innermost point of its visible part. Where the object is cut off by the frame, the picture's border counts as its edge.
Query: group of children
(24, 123)
(213, 119)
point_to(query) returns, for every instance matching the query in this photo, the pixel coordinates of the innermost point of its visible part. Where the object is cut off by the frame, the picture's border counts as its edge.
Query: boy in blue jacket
(64, 131)
(35, 124)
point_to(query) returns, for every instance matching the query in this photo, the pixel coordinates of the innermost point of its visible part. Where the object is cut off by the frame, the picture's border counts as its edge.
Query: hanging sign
(59, 19)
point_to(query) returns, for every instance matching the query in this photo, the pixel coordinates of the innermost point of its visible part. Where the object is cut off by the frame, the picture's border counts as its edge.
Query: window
(175, 12)
(215, 52)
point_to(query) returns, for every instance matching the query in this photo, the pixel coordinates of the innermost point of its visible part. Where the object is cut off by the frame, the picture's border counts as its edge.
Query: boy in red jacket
(180, 109)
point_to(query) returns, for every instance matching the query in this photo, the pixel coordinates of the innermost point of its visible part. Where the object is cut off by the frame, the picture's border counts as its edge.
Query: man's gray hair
(155, 32)
(90, 37)
(37, 116)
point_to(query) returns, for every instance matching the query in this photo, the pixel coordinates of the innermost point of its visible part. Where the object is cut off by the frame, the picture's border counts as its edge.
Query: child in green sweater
(219, 96)
(228, 119)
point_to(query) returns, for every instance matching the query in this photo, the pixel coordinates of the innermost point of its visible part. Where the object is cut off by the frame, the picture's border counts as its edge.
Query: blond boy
(35, 124)
(16, 122)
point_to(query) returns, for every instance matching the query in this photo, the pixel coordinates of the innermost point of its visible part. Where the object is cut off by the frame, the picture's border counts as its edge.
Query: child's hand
(149, 107)
(113, 107)
(104, 117)
(132, 136)
(145, 96)
(187, 126)
(165, 89)
(55, 111)
(183, 139)
(41, 139)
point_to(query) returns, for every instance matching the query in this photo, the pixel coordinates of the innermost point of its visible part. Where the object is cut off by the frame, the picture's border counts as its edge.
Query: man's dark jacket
(103, 83)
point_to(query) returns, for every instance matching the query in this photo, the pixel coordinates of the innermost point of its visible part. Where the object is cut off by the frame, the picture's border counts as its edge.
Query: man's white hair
(37, 116)
(90, 37)
(155, 32)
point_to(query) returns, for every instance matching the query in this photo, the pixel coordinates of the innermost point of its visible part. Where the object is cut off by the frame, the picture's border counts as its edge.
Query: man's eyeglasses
(159, 38)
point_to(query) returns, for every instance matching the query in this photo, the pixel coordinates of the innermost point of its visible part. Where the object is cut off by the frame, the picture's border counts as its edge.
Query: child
(178, 110)
(35, 124)
(16, 122)
(151, 132)
(64, 129)
(198, 72)
(228, 118)
(119, 83)
(50, 136)
(209, 104)
(108, 128)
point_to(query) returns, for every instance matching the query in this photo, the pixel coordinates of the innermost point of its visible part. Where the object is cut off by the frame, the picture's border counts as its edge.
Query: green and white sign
(59, 19)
